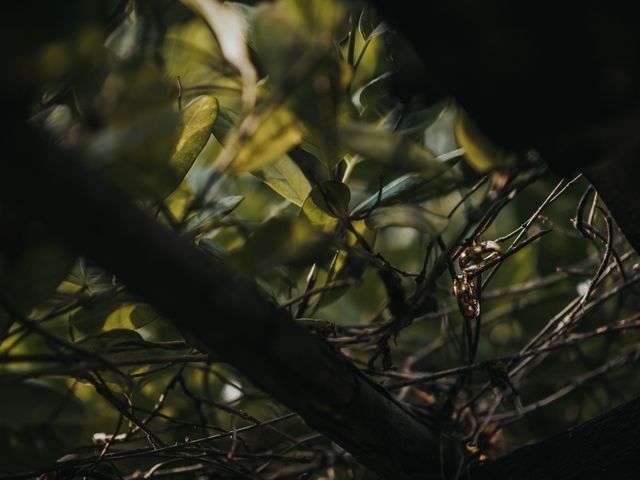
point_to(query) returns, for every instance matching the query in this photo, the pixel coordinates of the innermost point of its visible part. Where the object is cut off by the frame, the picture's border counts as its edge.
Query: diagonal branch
(225, 314)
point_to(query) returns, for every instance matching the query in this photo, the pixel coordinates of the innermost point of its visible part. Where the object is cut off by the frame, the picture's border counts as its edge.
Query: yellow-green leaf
(285, 177)
(390, 149)
(197, 120)
(229, 26)
(277, 133)
(285, 30)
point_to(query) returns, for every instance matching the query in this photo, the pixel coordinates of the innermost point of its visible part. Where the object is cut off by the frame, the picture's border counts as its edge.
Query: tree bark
(225, 314)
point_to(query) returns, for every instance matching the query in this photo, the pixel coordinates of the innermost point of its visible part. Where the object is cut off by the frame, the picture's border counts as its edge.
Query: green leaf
(390, 149)
(143, 315)
(409, 188)
(277, 133)
(286, 30)
(285, 177)
(197, 119)
(327, 204)
(190, 51)
(229, 26)
(300, 61)
(92, 318)
(150, 154)
(412, 216)
(374, 95)
(213, 212)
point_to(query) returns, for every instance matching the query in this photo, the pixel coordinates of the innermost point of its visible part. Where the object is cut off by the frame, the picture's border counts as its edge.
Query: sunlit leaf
(92, 318)
(286, 29)
(278, 132)
(285, 177)
(300, 62)
(150, 154)
(229, 26)
(197, 119)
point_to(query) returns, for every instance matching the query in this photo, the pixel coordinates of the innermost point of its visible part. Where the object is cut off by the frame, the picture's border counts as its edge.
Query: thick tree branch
(225, 314)
(604, 445)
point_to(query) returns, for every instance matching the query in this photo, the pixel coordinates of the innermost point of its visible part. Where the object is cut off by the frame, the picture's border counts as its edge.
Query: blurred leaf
(390, 149)
(286, 29)
(299, 60)
(373, 59)
(413, 216)
(374, 95)
(276, 134)
(227, 120)
(285, 177)
(229, 26)
(214, 248)
(417, 118)
(191, 51)
(150, 153)
(126, 38)
(347, 265)
(280, 241)
(481, 153)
